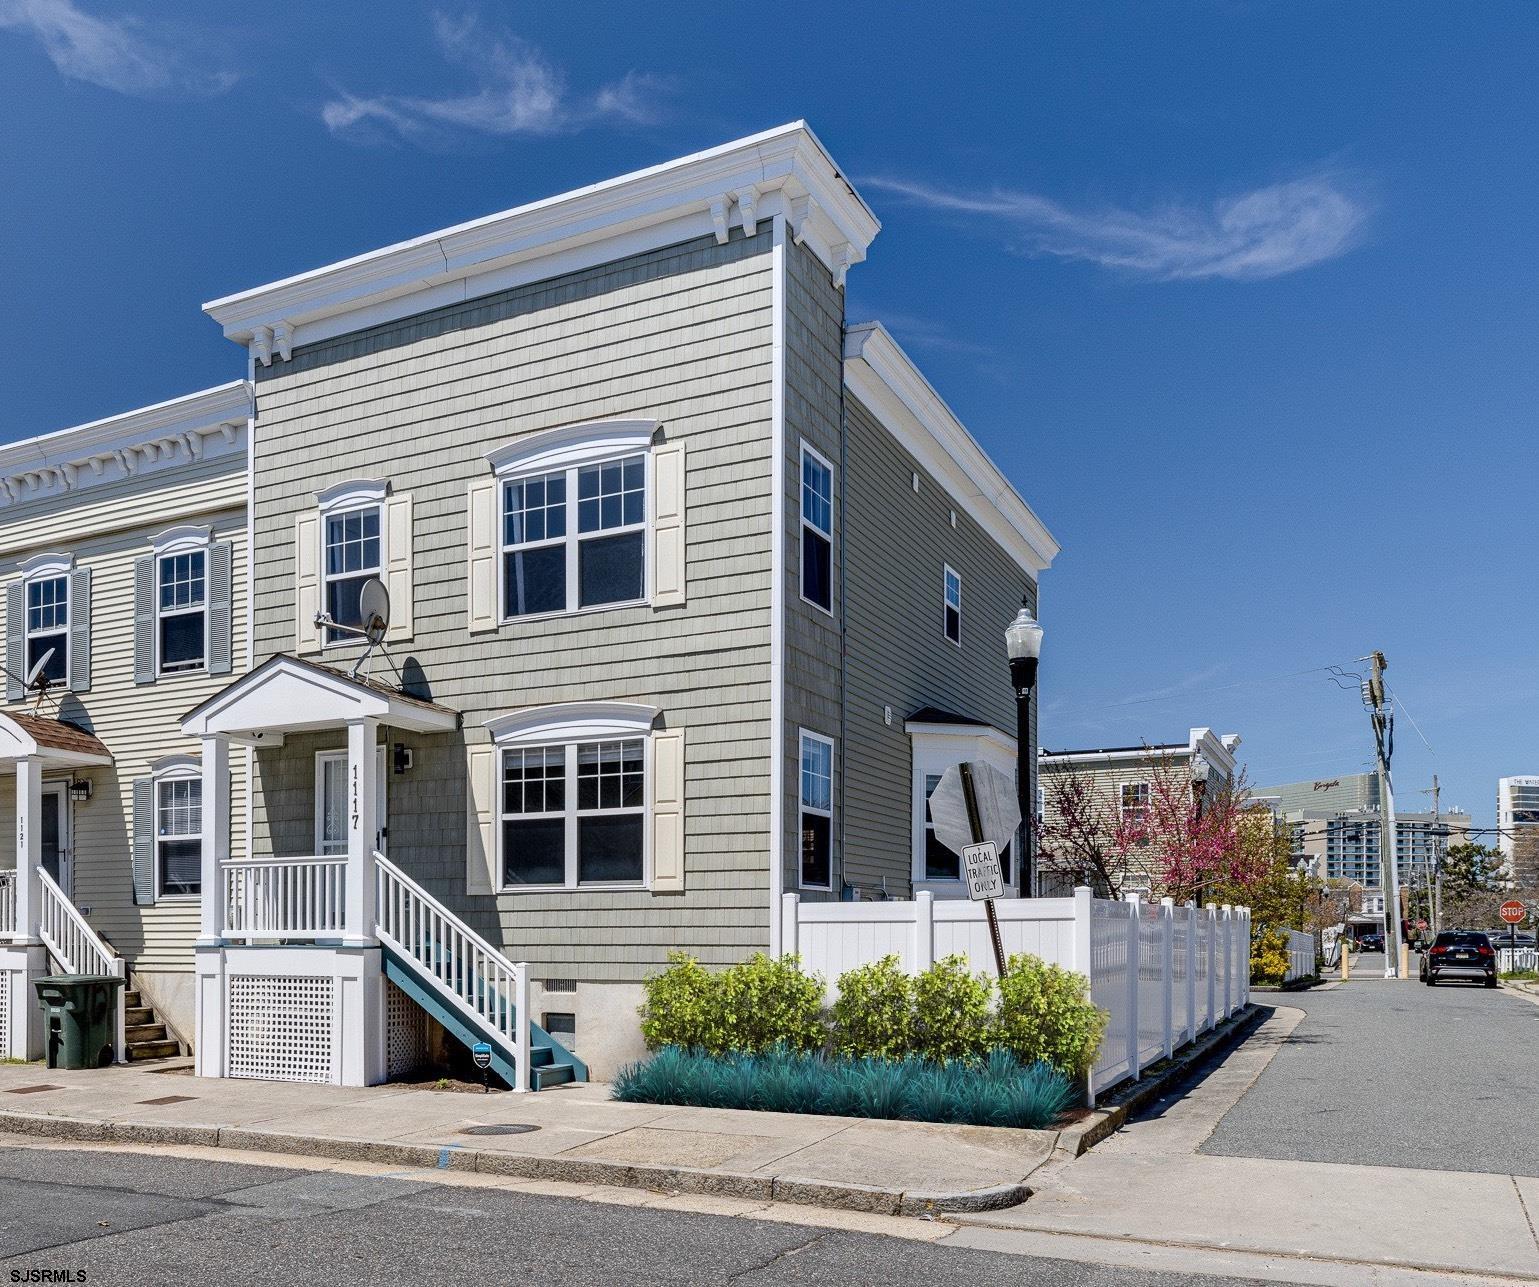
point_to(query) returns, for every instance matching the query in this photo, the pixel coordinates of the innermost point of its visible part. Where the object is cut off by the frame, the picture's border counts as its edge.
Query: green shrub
(874, 1014)
(1269, 957)
(951, 1011)
(997, 1090)
(749, 1007)
(1045, 1014)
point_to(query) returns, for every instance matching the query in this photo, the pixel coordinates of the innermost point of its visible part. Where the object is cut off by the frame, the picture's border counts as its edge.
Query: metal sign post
(976, 812)
(482, 1054)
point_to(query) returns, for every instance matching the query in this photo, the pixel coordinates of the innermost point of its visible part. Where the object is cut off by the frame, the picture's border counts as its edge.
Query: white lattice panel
(280, 1028)
(406, 1044)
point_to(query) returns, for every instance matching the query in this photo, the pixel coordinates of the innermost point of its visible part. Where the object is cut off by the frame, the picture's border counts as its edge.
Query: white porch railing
(1163, 974)
(466, 970)
(76, 947)
(293, 898)
(1301, 955)
(7, 902)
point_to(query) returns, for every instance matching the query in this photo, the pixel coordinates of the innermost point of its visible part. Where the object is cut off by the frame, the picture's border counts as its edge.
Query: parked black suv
(1459, 954)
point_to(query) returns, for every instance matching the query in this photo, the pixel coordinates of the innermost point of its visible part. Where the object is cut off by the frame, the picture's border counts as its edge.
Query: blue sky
(1242, 295)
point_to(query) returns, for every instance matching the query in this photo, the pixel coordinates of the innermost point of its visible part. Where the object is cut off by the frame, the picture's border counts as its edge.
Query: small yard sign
(481, 1053)
(1513, 912)
(985, 878)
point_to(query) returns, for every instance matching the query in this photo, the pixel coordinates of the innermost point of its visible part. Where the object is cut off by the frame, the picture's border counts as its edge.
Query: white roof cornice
(212, 421)
(883, 377)
(784, 170)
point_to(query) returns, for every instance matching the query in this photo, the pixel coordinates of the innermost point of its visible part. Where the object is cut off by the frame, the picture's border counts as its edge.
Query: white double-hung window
(353, 556)
(576, 519)
(48, 625)
(361, 531)
(817, 811)
(817, 542)
(178, 835)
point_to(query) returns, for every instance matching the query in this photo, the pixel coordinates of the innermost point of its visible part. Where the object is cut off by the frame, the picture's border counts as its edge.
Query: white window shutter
(668, 812)
(480, 820)
(481, 555)
(398, 553)
(668, 526)
(307, 582)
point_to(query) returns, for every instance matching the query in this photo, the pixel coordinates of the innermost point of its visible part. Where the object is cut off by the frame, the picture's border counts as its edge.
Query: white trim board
(784, 171)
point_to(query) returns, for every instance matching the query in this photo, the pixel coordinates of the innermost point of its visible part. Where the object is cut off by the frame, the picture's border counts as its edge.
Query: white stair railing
(7, 902)
(75, 946)
(461, 966)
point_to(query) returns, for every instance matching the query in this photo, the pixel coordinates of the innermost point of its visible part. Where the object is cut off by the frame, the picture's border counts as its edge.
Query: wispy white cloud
(118, 53)
(927, 333)
(1263, 233)
(516, 91)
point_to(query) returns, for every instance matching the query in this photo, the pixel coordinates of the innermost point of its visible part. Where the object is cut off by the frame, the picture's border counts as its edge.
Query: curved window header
(178, 765)
(352, 493)
(571, 445)
(47, 565)
(195, 536)
(572, 722)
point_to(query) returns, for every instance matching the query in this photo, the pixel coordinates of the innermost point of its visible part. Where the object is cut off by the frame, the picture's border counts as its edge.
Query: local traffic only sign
(976, 814)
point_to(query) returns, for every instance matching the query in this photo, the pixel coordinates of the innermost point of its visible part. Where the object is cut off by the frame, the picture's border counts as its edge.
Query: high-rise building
(1517, 812)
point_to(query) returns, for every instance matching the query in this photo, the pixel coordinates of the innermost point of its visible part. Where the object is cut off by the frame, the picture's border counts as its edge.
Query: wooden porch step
(135, 1015)
(162, 1049)
(133, 1032)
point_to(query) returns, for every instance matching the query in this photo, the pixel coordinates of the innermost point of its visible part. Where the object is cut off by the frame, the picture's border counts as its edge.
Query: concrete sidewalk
(578, 1135)
(1148, 1185)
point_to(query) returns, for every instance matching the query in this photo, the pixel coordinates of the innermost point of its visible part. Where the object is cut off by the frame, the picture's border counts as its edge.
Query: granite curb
(1106, 1118)
(635, 1175)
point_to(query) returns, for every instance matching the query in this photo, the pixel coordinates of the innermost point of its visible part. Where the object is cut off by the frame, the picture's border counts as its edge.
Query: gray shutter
(15, 640)
(144, 620)
(144, 842)
(219, 622)
(80, 630)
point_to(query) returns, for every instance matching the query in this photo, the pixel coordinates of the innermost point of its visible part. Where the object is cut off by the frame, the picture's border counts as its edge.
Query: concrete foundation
(608, 1026)
(174, 994)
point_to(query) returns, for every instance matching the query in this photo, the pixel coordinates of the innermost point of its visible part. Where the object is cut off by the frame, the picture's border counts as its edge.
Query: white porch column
(216, 835)
(29, 847)
(362, 828)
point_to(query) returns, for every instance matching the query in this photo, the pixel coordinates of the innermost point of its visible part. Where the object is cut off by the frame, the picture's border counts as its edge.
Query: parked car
(1370, 943)
(1460, 954)
(1504, 938)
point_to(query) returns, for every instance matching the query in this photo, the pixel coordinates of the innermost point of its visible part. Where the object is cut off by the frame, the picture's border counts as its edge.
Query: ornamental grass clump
(997, 1090)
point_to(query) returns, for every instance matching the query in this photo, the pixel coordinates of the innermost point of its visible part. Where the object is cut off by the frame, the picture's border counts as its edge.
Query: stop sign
(1513, 912)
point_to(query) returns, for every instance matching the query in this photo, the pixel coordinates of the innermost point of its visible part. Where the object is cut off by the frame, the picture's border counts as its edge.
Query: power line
(1184, 693)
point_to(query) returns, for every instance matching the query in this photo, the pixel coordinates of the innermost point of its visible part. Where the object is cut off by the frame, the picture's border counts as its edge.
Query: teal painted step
(550, 1063)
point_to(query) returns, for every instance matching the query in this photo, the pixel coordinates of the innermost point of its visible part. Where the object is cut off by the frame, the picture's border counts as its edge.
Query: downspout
(842, 532)
(777, 858)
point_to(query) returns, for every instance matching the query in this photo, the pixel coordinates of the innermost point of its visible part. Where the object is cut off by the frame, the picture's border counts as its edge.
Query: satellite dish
(38, 667)
(374, 609)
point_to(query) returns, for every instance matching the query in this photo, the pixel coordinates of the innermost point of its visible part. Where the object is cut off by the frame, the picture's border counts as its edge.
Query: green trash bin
(80, 1018)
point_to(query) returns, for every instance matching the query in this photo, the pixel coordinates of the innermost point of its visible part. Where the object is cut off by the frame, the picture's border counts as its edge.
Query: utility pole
(1435, 876)
(1382, 715)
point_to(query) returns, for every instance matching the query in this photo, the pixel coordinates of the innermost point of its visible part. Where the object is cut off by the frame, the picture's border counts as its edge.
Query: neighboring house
(1120, 783)
(123, 557)
(695, 591)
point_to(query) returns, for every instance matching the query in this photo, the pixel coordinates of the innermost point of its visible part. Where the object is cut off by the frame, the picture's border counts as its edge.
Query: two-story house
(681, 593)
(122, 568)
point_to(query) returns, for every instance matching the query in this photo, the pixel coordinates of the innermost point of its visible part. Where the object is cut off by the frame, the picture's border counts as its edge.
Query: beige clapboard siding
(897, 546)
(811, 665)
(680, 335)
(138, 723)
(1107, 781)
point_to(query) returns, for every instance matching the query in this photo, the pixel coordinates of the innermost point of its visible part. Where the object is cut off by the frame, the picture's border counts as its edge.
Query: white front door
(331, 803)
(55, 832)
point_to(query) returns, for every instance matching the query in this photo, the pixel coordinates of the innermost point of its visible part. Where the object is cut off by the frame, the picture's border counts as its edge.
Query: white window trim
(171, 768)
(567, 725)
(350, 498)
(947, 574)
(187, 539)
(805, 735)
(806, 524)
(1123, 807)
(380, 776)
(47, 567)
(565, 450)
(935, 748)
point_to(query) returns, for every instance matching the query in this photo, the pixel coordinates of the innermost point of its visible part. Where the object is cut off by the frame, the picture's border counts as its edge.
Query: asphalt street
(1391, 1073)
(126, 1218)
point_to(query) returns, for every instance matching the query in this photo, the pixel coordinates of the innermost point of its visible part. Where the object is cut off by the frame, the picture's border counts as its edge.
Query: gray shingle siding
(681, 335)
(897, 544)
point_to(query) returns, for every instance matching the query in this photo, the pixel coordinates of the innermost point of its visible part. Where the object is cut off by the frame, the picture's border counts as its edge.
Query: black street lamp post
(1023, 643)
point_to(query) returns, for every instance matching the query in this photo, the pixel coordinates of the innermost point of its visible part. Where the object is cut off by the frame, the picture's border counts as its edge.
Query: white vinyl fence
(1163, 974)
(1509, 960)
(1301, 955)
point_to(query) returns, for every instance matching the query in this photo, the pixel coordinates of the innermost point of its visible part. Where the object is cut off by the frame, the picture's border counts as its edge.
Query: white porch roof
(53, 741)
(288, 695)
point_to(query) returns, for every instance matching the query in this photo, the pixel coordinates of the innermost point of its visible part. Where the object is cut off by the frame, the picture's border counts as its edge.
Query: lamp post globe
(1023, 646)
